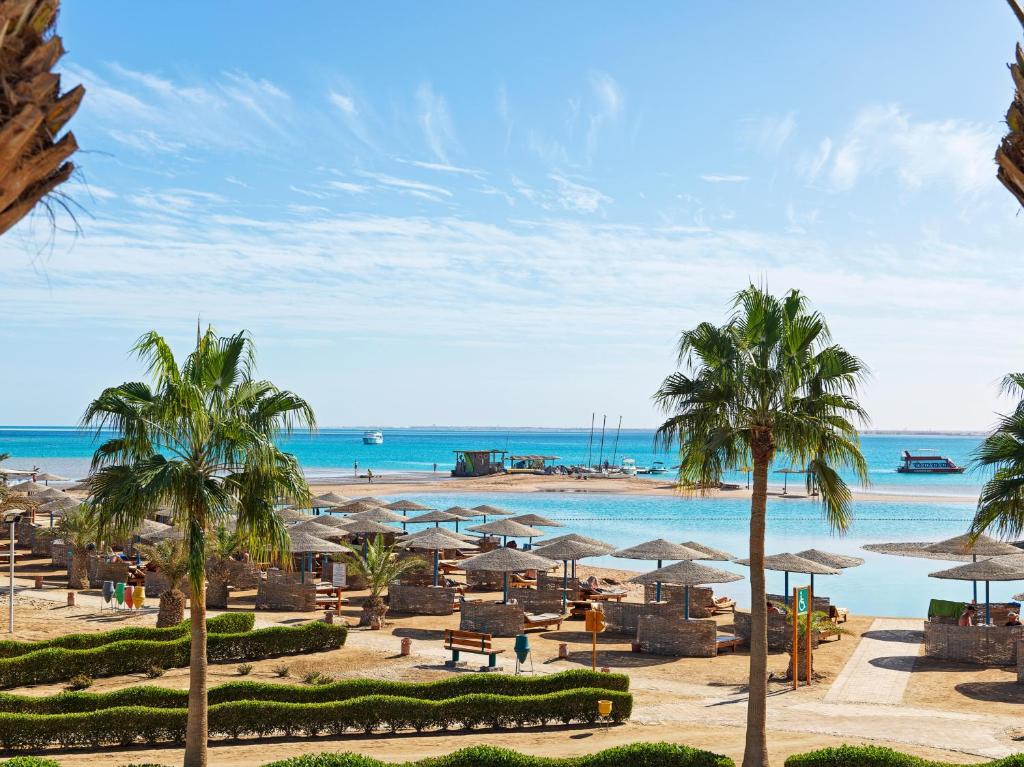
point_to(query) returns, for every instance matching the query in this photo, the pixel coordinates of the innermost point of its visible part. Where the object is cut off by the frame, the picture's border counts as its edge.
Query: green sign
(803, 599)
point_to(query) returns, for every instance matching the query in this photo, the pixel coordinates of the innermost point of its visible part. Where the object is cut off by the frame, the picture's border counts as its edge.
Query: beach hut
(830, 559)
(1006, 568)
(982, 546)
(687, 573)
(493, 511)
(790, 563)
(710, 554)
(436, 540)
(478, 463)
(506, 528)
(567, 551)
(658, 551)
(505, 560)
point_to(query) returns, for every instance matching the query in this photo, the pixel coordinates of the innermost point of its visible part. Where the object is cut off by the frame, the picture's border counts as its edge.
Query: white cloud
(577, 197)
(811, 164)
(435, 121)
(769, 134)
(445, 168)
(347, 186)
(343, 102)
(608, 93)
(722, 178)
(428, 191)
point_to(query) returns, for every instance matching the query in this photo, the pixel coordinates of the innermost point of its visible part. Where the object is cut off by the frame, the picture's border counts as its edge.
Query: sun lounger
(724, 605)
(542, 620)
(838, 614)
(728, 641)
(519, 582)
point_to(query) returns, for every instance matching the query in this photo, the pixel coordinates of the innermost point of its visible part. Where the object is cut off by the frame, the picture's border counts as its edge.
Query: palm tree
(199, 442)
(375, 561)
(33, 160)
(767, 382)
(170, 558)
(1001, 455)
(79, 529)
(222, 545)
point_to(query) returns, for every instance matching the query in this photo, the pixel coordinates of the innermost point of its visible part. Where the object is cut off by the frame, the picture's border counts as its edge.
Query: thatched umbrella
(830, 559)
(493, 511)
(49, 494)
(407, 506)
(167, 534)
(326, 520)
(313, 527)
(29, 488)
(982, 546)
(535, 520)
(322, 503)
(333, 497)
(505, 560)
(462, 511)
(916, 549)
(47, 478)
(658, 551)
(1009, 568)
(568, 551)
(292, 515)
(355, 507)
(687, 573)
(581, 539)
(379, 514)
(437, 517)
(371, 499)
(790, 563)
(308, 544)
(710, 554)
(435, 539)
(369, 527)
(506, 528)
(460, 537)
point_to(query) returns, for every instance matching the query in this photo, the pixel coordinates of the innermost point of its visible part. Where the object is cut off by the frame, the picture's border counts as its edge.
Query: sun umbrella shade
(493, 511)
(379, 514)
(535, 520)
(710, 554)
(44, 477)
(506, 560)
(371, 499)
(915, 549)
(465, 513)
(433, 516)
(168, 534)
(580, 539)
(320, 531)
(984, 546)
(28, 487)
(435, 539)
(333, 497)
(507, 528)
(829, 559)
(791, 563)
(458, 537)
(307, 543)
(996, 569)
(687, 573)
(569, 551)
(321, 503)
(355, 507)
(291, 515)
(60, 504)
(369, 527)
(659, 550)
(404, 505)
(149, 526)
(327, 520)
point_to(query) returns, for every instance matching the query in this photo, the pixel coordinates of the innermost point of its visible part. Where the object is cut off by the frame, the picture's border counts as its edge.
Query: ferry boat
(373, 437)
(927, 463)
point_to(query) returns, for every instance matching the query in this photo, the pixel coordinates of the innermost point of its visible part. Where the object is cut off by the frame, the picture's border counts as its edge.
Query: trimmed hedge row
(463, 684)
(228, 623)
(876, 756)
(134, 656)
(236, 719)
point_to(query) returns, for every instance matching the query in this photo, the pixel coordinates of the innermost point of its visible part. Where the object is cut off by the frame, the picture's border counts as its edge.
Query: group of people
(969, 617)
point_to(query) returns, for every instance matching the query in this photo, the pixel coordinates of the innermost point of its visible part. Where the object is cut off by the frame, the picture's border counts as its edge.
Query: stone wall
(421, 600)
(780, 631)
(22, 532)
(42, 541)
(492, 618)
(60, 554)
(101, 570)
(702, 603)
(553, 582)
(666, 635)
(539, 601)
(242, 575)
(483, 580)
(624, 617)
(157, 583)
(284, 591)
(986, 645)
(1020, 661)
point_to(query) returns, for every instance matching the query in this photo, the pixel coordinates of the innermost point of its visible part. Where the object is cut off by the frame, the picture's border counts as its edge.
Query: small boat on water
(373, 437)
(658, 467)
(927, 462)
(628, 467)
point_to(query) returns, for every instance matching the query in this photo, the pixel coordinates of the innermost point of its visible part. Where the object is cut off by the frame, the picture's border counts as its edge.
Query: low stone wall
(539, 601)
(60, 554)
(421, 600)
(492, 618)
(157, 583)
(483, 580)
(1020, 662)
(986, 645)
(702, 598)
(421, 578)
(553, 582)
(821, 604)
(22, 532)
(101, 570)
(666, 635)
(42, 541)
(242, 575)
(285, 591)
(780, 631)
(624, 617)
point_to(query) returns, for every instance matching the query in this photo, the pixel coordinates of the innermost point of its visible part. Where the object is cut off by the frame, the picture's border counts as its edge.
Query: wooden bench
(330, 597)
(728, 641)
(470, 641)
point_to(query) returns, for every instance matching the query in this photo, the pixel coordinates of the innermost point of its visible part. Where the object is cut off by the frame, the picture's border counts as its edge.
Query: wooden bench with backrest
(470, 641)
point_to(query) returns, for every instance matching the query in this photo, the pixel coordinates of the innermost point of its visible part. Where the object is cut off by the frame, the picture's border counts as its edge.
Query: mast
(615, 449)
(604, 420)
(590, 442)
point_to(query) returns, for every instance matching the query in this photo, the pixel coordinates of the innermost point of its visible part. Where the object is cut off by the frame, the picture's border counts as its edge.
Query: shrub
(29, 761)
(260, 718)
(245, 669)
(134, 656)
(79, 682)
(876, 756)
(313, 677)
(465, 684)
(282, 670)
(154, 672)
(229, 623)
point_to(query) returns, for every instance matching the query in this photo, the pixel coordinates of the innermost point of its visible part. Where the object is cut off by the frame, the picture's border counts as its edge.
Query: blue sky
(476, 214)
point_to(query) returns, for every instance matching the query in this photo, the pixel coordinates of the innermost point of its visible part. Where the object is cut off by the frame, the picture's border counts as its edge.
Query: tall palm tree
(376, 562)
(1001, 455)
(170, 558)
(199, 442)
(767, 383)
(79, 529)
(33, 111)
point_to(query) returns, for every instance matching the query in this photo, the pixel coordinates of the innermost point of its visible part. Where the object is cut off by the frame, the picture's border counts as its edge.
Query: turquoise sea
(882, 586)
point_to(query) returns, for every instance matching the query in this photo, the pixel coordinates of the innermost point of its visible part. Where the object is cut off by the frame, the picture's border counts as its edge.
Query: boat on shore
(927, 462)
(373, 437)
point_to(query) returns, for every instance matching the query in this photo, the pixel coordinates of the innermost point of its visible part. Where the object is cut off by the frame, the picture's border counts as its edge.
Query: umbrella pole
(785, 590)
(657, 587)
(504, 588)
(437, 558)
(974, 558)
(686, 602)
(988, 607)
(565, 582)
(812, 583)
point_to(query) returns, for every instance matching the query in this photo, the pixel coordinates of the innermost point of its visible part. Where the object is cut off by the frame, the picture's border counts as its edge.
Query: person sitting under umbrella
(967, 617)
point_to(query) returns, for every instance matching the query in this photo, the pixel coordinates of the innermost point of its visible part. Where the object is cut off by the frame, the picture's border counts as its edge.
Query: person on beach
(1012, 619)
(355, 468)
(773, 609)
(967, 617)
(369, 476)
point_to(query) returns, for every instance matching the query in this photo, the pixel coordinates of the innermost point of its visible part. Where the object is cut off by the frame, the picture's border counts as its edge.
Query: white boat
(373, 437)
(628, 467)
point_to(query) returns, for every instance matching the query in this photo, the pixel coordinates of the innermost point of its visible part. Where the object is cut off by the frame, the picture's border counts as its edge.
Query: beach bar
(478, 463)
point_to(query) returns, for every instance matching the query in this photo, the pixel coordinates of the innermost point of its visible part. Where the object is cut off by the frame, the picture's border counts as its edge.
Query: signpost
(594, 623)
(803, 605)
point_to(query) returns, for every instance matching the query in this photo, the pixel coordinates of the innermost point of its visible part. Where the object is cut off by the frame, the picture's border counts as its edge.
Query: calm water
(882, 586)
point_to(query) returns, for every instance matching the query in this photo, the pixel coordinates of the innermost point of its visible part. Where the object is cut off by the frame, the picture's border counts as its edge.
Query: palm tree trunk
(755, 753)
(196, 730)
(79, 576)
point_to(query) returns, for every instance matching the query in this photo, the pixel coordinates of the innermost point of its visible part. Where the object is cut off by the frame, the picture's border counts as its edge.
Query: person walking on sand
(369, 476)
(355, 468)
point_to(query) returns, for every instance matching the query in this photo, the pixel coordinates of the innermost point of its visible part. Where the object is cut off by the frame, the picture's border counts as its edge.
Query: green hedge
(876, 756)
(228, 623)
(462, 684)
(258, 718)
(134, 656)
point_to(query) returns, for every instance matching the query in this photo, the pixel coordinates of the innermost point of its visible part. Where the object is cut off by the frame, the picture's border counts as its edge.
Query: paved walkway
(880, 667)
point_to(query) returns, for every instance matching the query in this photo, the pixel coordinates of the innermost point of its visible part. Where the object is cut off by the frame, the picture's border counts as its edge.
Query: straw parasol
(48, 478)
(657, 550)
(536, 520)
(437, 517)
(568, 551)
(291, 515)
(308, 544)
(830, 559)
(49, 494)
(791, 563)
(168, 534)
(369, 527)
(29, 488)
(687, 573)
(462, 511)
(581, 539)
(404, 506)
(313, 527)
(460, 537)
(506, 528)
(1007, 568)
(354, 507)
(333, 497)
(917, 549)
(710, 554)
(505, 560)
(435, 539)
(327, 520)
(379, 514)
(982, 546)
(321, 503)
(371, 499)
(493, 511)
(148, 526)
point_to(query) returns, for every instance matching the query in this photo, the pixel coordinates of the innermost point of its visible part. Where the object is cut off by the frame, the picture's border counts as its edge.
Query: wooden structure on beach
(478, 463)
(530, 464)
